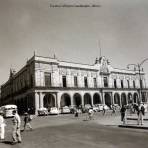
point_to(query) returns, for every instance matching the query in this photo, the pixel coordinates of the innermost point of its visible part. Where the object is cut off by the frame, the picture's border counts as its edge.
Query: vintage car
(65, 110)
(43, 111)
(53, 111)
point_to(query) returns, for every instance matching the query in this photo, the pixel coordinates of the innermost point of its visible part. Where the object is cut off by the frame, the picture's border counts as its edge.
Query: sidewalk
(131, 122)
(115, 120)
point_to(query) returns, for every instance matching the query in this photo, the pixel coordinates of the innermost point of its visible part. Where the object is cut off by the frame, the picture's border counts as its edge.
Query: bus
(7, 110)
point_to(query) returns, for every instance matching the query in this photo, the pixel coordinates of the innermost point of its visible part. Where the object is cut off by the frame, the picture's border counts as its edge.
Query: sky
(73, 33)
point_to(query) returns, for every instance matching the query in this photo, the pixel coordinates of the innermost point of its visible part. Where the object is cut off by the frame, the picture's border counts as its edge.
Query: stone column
(112, 96)
(41, 96)
(36, 103)
(58, 100)
(82, 97)
(71, 98)
(55, 99)
(102, 98)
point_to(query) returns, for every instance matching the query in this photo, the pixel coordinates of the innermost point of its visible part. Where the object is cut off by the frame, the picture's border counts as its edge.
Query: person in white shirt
(140, 113)
(2, 127)
(16, 135)
(90, 114)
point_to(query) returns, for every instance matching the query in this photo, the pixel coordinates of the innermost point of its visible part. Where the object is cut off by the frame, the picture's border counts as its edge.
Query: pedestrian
(76, 113)
(90, 114)
(123, 114)
(16, 135)
(104, 110)
(113, 110)
(140, 113)
(2, 127)
(27, 121)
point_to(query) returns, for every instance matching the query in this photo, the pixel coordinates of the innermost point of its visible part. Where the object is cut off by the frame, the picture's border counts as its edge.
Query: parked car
(117, 107)
(100, 107)
(53, 111)
(95, 108)
(43, 111)
(72, 109)
(65, 110)
(106, 107)
(86, 107)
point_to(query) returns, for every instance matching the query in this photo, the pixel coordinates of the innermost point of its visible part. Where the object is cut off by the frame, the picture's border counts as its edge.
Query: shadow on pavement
(7, 142)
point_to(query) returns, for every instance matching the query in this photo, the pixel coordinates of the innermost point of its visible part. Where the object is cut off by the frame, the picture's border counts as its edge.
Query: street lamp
(139, 72)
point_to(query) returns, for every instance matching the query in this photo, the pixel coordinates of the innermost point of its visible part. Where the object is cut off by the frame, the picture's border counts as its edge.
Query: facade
(48, 82)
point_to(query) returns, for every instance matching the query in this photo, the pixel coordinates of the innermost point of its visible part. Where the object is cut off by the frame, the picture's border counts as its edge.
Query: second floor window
(85, 82)
(115, 83)
(105, 82)
(31, 81)
(134, 86)
(95, 83)
(48, 79)
(75, 81)
(141, 84)
(128, 84)
(64, 81)
(122, 86)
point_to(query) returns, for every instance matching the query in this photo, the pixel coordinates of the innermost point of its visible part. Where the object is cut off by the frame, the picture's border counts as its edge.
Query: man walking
(27, 120)
(140, 113)
(104, 110)
(2, 127)
(123, 114)
(90, 114)
(16, 135)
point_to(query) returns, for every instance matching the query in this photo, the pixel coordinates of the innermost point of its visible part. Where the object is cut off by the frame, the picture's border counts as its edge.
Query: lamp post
(139, 72)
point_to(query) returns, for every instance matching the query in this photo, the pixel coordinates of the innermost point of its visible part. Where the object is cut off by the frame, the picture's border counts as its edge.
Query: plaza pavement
(108, 119)
(98, 118)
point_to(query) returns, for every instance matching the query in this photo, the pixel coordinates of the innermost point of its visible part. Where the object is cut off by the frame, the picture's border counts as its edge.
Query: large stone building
(47, 82)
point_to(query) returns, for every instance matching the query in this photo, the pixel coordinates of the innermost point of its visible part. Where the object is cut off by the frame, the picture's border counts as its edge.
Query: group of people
(140, 113)
(16, 130)
(90, 113)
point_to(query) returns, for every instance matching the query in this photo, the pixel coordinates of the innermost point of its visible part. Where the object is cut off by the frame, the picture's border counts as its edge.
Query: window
(95, 83)
(134, 86)
(75, 81)
(85, 82)
(31, 81)
(105, 82)
(128, 85)
(47, 79)
(141, 84)
(115, 83)
(122, 84)
(64, 81)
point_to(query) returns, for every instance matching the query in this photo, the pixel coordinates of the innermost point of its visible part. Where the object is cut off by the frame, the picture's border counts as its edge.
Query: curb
(133, 126)
(129, 118)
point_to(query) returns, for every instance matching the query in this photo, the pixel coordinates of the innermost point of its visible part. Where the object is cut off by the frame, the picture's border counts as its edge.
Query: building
(48, 82)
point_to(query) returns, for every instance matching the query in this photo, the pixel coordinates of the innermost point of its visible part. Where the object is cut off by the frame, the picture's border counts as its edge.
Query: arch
(135, 98)
(87, 99)
(97, 99)
(117, 99)
(49, 100)
(65, 100)
(129, 98)
(77, 100)
(123, 99)
(107, 99)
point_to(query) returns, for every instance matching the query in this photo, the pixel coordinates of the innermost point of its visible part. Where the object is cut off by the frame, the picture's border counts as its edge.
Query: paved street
(67, 131)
